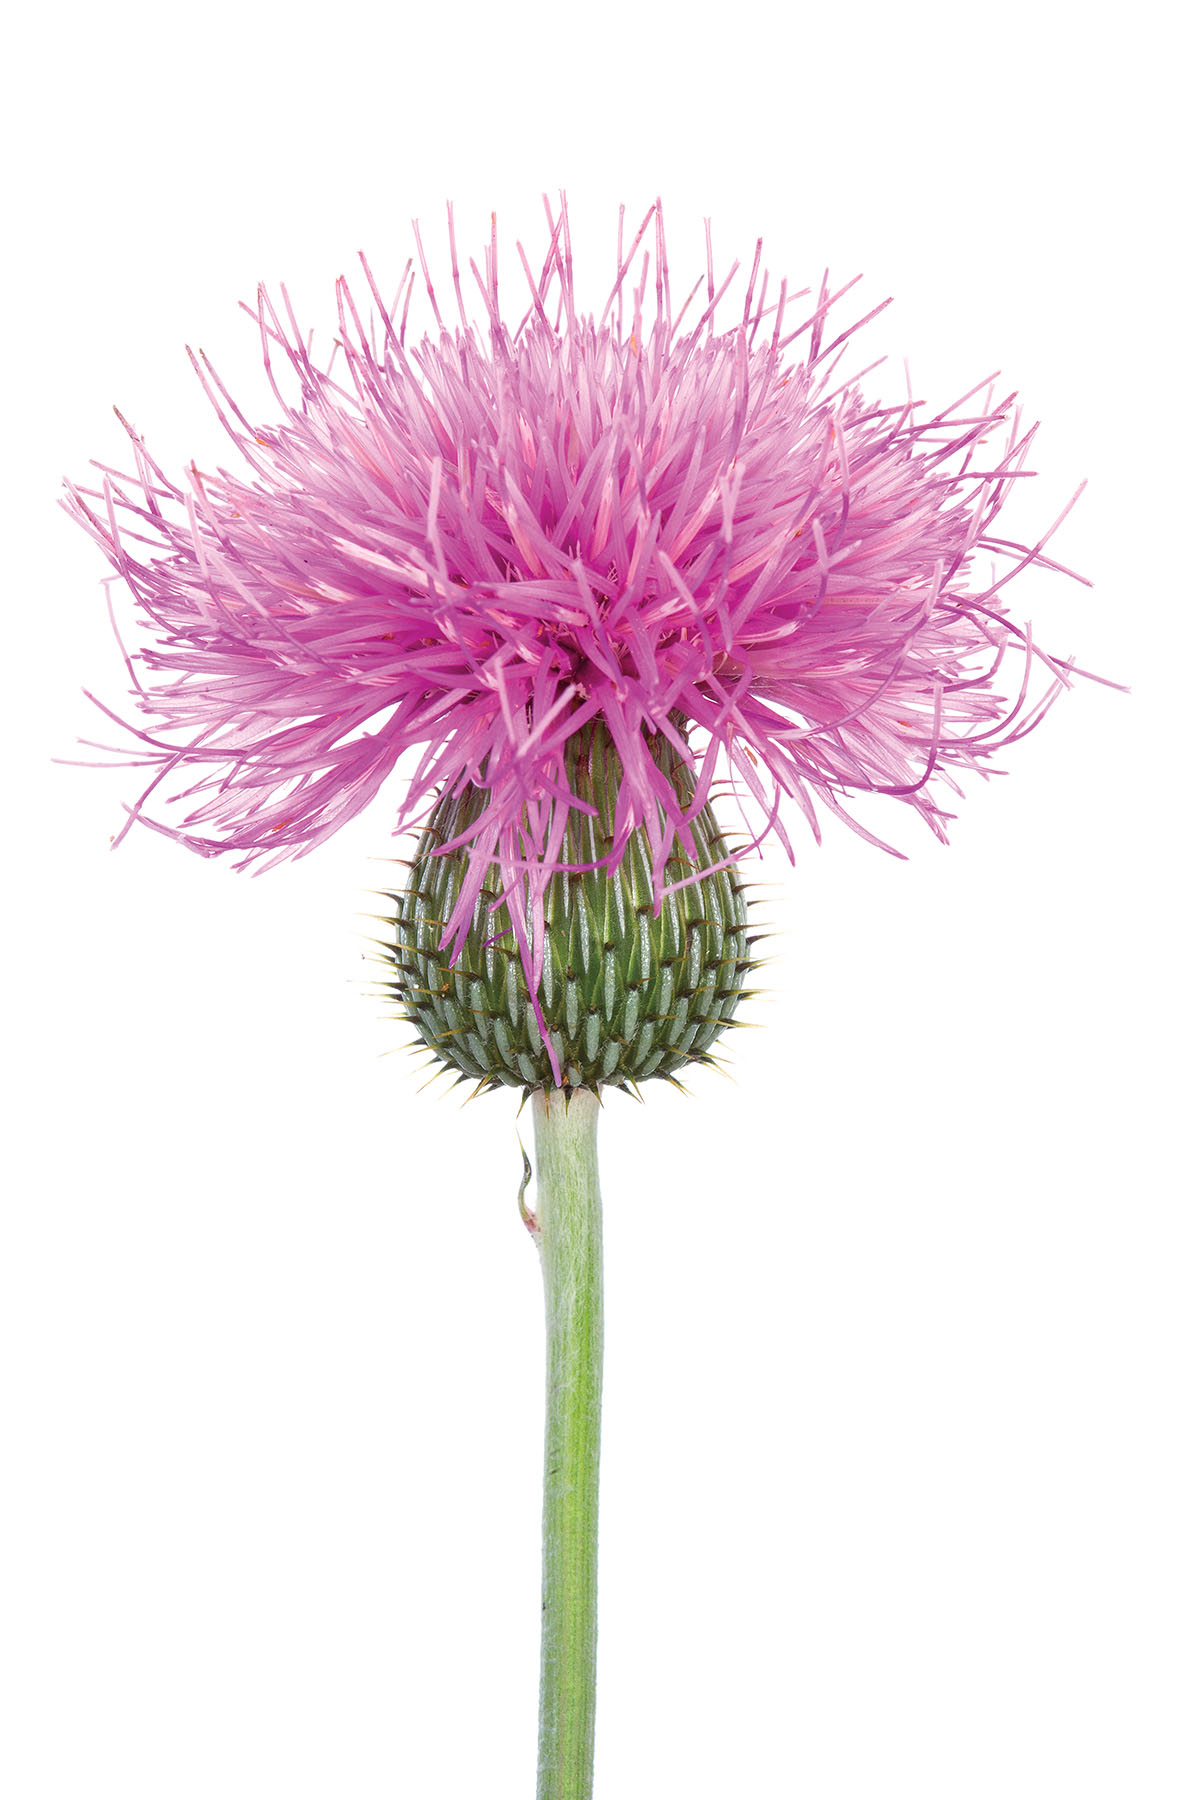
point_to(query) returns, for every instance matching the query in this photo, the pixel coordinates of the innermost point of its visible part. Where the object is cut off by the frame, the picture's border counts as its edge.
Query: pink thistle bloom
(465, 548)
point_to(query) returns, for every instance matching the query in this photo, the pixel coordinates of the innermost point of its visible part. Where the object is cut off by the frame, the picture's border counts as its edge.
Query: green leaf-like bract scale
(626, 993)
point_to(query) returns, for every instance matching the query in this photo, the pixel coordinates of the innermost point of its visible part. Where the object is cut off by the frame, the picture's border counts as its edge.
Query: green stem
(567, 1232)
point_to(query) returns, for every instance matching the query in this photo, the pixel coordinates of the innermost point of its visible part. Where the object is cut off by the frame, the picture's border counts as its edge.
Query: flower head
(458, 552)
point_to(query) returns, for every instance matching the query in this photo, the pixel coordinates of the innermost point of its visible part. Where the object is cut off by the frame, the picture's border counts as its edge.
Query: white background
(900, 1472)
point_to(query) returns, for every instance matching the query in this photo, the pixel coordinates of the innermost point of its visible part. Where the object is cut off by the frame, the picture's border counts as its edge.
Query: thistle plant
(607, 597)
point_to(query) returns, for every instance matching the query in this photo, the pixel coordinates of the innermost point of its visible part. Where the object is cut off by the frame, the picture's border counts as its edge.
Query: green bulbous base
(626, 993)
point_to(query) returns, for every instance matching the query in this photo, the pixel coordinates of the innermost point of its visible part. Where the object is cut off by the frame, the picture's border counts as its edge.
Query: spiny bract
(628, 990)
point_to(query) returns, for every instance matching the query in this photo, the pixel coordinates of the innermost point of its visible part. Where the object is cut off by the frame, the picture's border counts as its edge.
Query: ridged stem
(567, 1231)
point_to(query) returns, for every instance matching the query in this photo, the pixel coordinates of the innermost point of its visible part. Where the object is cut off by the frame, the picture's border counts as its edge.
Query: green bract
(626, 993)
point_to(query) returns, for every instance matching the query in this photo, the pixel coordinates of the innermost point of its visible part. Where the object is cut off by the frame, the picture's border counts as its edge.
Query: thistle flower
(583, 576)
(462, 552)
